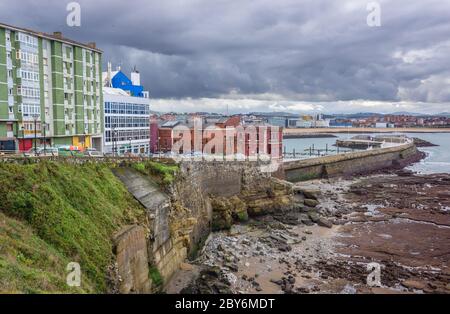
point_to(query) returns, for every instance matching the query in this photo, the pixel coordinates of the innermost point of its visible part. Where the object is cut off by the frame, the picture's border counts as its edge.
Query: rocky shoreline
(325, 242)
(422, 143)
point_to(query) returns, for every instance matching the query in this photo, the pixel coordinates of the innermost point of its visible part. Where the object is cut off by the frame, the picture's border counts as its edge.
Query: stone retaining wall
(130, 246)
(349, 163)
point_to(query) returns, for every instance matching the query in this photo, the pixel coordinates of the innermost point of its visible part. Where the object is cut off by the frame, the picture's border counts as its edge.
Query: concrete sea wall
(349, 163)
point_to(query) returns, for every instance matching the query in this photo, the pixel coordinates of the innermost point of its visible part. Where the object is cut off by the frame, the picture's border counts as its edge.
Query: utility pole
(35, 117)
(45, 139)
(131, 151)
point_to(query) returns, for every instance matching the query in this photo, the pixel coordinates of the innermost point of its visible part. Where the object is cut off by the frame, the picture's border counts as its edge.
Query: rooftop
(57, 36)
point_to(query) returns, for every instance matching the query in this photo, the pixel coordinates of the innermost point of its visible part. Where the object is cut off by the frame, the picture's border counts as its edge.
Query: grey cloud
(306, 51)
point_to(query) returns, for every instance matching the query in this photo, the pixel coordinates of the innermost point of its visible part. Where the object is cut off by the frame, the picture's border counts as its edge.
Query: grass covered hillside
(55, 213)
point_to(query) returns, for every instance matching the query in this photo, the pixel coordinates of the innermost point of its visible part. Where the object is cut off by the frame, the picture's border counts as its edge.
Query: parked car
(92, 152)
(41, 152)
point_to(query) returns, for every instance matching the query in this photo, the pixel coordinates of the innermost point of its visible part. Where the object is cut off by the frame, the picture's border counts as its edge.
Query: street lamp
(35, 118)
(113, 133)
(130, 145)
(22, 128)
(159, 146)
(44, 126)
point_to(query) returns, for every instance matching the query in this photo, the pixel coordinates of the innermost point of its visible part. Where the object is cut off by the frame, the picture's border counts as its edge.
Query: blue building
(127, 114)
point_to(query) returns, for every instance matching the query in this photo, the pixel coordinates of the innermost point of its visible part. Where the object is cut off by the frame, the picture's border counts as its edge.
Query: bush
(156, 277)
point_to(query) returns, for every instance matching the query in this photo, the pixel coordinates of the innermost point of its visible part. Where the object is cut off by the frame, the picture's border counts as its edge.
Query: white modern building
(127, 114)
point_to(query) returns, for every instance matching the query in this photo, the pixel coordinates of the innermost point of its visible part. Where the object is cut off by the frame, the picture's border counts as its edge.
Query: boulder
(311, 202)
(312, 194)
(323, 222)
(313, 216)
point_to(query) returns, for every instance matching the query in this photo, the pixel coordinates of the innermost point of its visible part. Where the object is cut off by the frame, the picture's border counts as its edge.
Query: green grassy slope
(55, 213)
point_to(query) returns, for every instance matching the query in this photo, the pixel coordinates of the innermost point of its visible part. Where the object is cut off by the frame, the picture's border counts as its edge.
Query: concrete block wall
(347, 164)
(130, 246)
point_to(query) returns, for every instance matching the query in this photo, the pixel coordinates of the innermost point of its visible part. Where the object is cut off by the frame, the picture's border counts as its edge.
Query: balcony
(9, 64)
(10, 134)
(10, 100)
(8, 46)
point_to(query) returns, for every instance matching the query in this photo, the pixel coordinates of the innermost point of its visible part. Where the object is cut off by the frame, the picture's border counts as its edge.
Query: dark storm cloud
(317, 50)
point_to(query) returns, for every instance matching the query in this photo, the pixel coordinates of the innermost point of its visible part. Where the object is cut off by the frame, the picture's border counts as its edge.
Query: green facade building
(50, 91)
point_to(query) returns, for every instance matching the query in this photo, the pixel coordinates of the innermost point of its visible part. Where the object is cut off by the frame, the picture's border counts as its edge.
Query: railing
(313, 151)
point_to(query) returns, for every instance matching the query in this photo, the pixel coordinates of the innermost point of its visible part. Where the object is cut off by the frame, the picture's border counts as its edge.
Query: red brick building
(236, 138)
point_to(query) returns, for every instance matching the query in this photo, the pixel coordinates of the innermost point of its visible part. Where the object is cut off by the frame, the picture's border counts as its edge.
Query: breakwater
(351, 163)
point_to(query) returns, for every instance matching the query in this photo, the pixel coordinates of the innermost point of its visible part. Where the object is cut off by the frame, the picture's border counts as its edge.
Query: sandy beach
(372, 221)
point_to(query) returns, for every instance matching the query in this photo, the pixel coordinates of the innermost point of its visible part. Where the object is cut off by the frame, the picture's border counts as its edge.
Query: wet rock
(311, 194)
(287, 288)
(311, 202)
(210, 281)
(231, 266)
(313, 216)
(278, 282)
(303, 290)
(291, 280)
(323, 222)
(307, 222)
(298, 207)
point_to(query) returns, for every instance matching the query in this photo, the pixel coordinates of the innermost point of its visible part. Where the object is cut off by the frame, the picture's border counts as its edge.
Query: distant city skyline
(242, 106)
(289, 55)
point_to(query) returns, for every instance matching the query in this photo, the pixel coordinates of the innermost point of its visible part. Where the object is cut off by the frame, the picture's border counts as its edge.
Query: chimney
(136, 77)
(93, 45)
(57, 35)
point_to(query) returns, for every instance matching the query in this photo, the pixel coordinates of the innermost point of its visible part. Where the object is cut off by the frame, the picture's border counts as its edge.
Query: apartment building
(247, 139)
(127, 113)
(50, 91)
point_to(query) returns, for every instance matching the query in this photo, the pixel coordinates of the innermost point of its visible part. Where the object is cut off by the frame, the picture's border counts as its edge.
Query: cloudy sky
(266, 55)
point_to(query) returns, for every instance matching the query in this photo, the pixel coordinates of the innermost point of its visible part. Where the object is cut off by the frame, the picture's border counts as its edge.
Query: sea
(437, 160)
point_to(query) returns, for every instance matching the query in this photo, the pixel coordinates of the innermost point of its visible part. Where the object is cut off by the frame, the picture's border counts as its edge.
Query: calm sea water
(437, 161)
